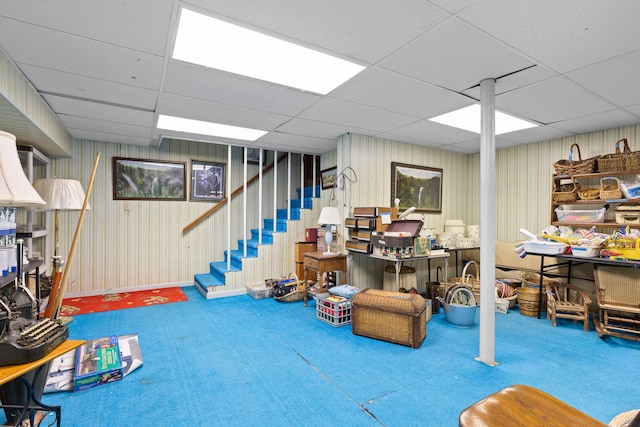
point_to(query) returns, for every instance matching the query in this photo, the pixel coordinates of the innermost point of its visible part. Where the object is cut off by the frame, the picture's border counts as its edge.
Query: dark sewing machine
(23, 336)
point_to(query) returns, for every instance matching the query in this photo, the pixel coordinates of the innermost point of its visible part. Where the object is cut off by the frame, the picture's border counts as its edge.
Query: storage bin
(544, 248)
(258, 291)
(628, 214)
(586, 251)
(333, 309)
(579, 216)
(390, 316)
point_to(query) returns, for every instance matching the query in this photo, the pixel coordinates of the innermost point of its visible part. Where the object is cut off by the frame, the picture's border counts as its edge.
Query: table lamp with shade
(329, 216)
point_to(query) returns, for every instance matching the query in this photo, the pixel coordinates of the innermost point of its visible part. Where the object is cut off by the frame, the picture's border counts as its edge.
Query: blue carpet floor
(243, 362)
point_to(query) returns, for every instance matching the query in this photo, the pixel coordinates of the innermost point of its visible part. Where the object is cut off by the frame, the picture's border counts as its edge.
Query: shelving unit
(30, 230)
(592, 180)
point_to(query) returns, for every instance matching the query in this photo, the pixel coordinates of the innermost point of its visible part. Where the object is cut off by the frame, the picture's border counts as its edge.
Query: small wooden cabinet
(301, 248)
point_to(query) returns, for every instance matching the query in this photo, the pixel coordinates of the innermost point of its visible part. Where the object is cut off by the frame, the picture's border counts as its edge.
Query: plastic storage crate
(333, 309)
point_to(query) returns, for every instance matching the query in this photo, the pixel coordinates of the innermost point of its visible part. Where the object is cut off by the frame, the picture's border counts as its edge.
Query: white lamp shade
(329, 215)
(15, 188)
(60, 194)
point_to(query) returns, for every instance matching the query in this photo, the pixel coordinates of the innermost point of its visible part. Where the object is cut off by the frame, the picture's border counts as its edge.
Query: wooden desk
(17, 372)
(321, 263)
(521, 405)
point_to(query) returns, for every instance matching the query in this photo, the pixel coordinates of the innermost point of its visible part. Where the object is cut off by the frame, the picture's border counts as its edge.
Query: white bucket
(458, 230)
(448, 240)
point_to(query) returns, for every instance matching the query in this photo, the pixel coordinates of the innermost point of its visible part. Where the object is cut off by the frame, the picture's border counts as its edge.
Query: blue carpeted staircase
(217, 269)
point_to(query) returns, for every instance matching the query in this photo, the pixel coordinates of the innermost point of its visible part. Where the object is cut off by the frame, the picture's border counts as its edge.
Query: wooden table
(521, 405)
(321, 263)
(18, 372)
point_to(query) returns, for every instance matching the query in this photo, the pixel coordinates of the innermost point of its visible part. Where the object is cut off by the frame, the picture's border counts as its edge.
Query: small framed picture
(253, 156)
(207, 180)
(329, 177)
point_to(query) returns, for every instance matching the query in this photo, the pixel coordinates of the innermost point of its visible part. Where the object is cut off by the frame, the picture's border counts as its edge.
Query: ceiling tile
(98, 111)
(96, 125)
(111, 138)
(88, 88)
(564, 35)
(296, 143)
(455, 56)
(391, 91)
(333, 110)
(225, 88)
(616, 79)
(434, 132)
(600, 121)
(55, 50)
(116, 23)
(198, 109)
(551, 101)
(538, 133)
(298, 126)
(517, 80)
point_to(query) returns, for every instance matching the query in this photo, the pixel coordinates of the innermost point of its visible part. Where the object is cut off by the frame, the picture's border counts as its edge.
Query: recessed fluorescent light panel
(180, 124)
(468, 118)
(209, 42)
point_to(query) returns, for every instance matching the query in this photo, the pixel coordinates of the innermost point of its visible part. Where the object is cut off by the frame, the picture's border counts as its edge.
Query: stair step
(281, 225)
(308, 191)
(295, 214)
(267, 236)
(205, 280)
(218, 268)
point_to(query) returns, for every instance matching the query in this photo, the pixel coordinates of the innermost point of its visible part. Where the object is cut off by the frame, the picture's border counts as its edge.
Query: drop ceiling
(105, 68)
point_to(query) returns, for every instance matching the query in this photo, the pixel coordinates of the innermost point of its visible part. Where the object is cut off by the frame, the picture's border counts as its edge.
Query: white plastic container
(585, 251)
(580, 216)
(544, 248)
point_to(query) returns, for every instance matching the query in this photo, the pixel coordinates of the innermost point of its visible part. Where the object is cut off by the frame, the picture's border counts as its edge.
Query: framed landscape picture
(207, 180)
(140, 179)
(329, 177)
(417, 186)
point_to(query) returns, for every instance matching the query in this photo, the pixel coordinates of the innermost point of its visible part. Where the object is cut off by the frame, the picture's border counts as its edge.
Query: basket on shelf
(565, 192)
(610, 191)
(289, 289)
(590, 193)
(572, 167)
(620, 160)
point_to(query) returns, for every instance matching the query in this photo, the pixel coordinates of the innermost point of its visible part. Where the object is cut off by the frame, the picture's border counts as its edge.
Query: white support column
(261, 160)
(487, 222)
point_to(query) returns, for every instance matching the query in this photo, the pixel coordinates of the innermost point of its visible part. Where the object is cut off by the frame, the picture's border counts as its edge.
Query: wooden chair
(567, 301)
(521, 405)
(618, 291)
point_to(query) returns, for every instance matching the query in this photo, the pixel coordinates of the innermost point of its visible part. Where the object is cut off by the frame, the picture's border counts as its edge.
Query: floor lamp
(60, 195)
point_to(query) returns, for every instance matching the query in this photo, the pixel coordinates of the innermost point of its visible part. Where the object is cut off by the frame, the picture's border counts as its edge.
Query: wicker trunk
(390, 316)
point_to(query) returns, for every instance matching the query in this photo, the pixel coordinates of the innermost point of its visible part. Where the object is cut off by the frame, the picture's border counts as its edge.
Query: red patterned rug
(118, 301)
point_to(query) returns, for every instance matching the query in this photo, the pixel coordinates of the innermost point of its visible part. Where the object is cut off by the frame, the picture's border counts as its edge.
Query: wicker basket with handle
(469, 280)
(296, 289)
(572, 167)
(610, 191)
(565, 192)
(615, 162)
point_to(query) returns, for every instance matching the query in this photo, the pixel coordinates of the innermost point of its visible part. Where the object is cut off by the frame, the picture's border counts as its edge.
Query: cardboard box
(97, 362)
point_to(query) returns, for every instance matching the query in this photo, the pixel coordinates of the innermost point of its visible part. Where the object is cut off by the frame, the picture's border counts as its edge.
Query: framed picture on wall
(207, 181)
(140, 179)
(253, 156)
(417, 186)
(329, 177)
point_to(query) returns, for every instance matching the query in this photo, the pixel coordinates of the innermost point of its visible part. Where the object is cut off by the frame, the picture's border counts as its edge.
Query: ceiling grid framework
(106, 71)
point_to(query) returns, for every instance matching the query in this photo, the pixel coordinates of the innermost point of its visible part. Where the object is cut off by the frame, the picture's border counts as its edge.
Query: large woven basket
(620, 160)
(296, 294)
(573, 167)
(591, 193)
(610, 191)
